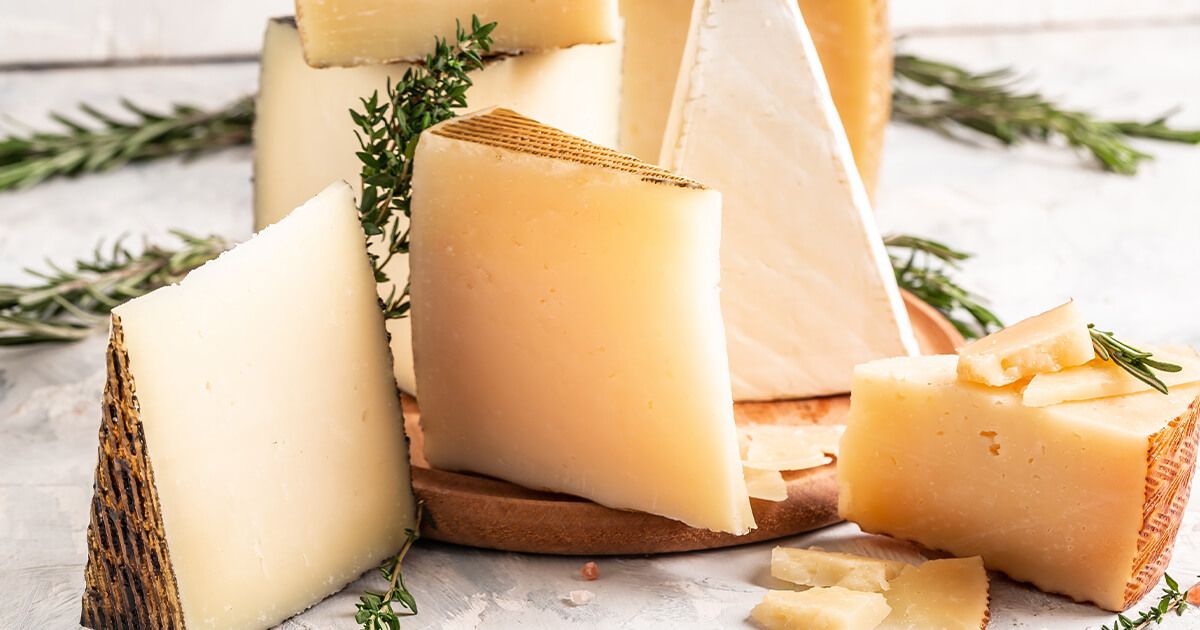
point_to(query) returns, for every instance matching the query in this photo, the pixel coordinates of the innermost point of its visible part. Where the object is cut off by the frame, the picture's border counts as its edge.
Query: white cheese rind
(807, 289)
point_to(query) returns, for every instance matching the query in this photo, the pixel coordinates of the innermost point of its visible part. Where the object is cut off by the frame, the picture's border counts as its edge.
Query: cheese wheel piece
(832, 608)
(1049, 342)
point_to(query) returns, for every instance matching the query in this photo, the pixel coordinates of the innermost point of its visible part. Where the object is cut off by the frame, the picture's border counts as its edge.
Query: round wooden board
(484, 512)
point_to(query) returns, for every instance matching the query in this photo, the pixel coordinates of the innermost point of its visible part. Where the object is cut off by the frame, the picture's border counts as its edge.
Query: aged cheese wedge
(832, 608)
(765, 484)
(1099, 379)
(1056, 339)
(802, 306)
(813, 567)
(566, 321)
(304, 137)
(655, 33)
(971, 470)
(367, 32)
(944, 594)
(252, 453)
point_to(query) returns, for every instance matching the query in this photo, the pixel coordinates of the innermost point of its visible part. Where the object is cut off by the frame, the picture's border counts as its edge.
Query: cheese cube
(832, 608)
(812, 567)
(1099, 378)
(304, 137)
(944, 594)
(566, 321)
(807, 289)
(252, 453)
(1056, 339)
(1081, 498)
(366, 32)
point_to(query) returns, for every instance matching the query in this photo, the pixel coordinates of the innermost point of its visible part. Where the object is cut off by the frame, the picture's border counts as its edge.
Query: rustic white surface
(1045, 226)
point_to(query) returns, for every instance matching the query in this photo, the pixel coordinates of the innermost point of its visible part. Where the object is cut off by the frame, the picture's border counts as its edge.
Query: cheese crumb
(579, 598)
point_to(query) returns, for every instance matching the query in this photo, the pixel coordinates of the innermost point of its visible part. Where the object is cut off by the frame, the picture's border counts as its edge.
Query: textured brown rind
(129, 581)
(506, 129)
(1172, 464)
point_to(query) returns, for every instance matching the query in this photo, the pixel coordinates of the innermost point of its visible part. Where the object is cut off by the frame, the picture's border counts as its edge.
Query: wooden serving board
(484, 512)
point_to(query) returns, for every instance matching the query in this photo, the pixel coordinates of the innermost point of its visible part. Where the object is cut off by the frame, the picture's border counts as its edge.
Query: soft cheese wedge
(1080, 498)
(943, 594)
(832, 608)
(362, 32)
(304, 137)
(252, 453)
(1056, 339)
(567, 324)
(807, 288)
(1099, 378)
(813, 567)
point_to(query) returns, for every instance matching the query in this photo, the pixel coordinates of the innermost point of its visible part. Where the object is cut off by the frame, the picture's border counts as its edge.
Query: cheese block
(813, 567)
(944, 594)
(807, 288)
(252, 452)
(1056, 339)
(1080, 498)
(369, 32)
(832, 608)
(1099, 379)
(655, 32)
(566, 321)
(304, 137)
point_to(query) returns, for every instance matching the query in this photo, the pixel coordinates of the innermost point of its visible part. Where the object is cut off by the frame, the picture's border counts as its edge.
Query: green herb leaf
(374, 611)
(923, 267)
(1136, 362)
(1172, 599)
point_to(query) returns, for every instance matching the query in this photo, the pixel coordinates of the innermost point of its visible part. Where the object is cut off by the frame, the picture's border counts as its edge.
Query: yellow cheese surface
(813, 567)
(832, 608)
(1049, 342)
(1099, 378)
(943, 594)
(655, 32)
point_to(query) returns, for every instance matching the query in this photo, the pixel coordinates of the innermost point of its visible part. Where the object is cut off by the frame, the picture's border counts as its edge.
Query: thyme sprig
(923, 267)
(1172, 600)
(1137, 362)
(375, 610)
(946, 98)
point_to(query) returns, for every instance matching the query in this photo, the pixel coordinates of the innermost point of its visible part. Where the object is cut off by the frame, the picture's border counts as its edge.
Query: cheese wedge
(566, 321)
(944, 594)
(1080, 498)
(832, 608)
(807, 288)
(304, 137)
(252, 453)
(655, 33)
(813, 567)
(1056, 339)
(1099, 379)
(366, 32)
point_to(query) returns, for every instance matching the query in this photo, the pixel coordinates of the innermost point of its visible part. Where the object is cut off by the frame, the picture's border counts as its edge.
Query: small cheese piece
(802, 305)
(944, 594)
(813, 567)
(1056, 339)
(252, 449)
(1099, 379)
(655, 33)
(765, 484)
(789, 447)
(832, 608)
(971, 470)
(567, 324)
(304, 137)
(370, 32)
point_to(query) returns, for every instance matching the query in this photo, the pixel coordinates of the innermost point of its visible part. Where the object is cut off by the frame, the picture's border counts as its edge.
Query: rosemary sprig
(944, 97)
(922, 267)
(102, 142)
(375, 610)
(387, 136)
(1137, 362)
(66, 305)
(1172, 600)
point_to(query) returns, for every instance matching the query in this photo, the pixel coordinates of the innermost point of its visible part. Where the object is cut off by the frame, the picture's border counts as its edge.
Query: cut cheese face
(765, 484)
(971, 470)
(371, 32)
(566, 321)
(1056, 339)
(655, 33)
(807, 289)
(944, 594)
(832, 608)
(813, 567)
(1099, 379)
(252, 410)
(304, 137)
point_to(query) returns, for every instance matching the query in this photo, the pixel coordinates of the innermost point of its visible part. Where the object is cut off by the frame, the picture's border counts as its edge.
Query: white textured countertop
(1045, 226)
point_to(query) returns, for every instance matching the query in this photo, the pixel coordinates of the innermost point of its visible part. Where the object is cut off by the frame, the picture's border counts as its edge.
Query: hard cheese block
(1051, 341)
(566, 321)
(655, 34)
(1081, 498)
(807, 288)
(304, 137)
(252, 453)
(361, 32)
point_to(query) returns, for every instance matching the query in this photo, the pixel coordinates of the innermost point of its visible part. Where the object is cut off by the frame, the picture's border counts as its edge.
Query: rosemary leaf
(923, 268)
(1136, 362)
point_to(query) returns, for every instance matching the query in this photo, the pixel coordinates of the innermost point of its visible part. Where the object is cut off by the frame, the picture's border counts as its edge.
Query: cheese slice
(807, 288)
(813, 567)
(832, 608)
(765, 484)
(304, 137)
(969, 469)
(1056, 339)
(944, 594)
(252, 453)
(366, 32)
(655, 33)
(1099, 379)
(566, 321)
